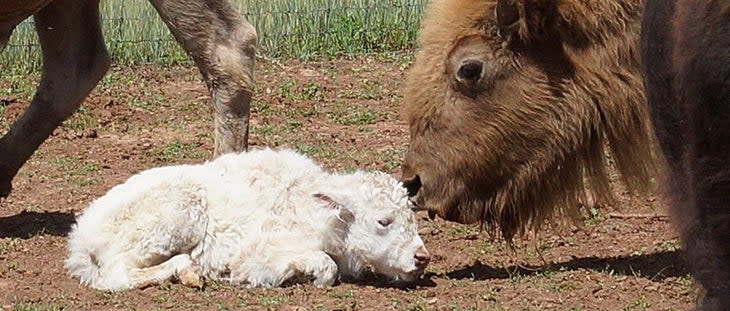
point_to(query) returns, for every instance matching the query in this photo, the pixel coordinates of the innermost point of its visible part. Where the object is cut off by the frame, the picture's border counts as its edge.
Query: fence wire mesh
(287, 28)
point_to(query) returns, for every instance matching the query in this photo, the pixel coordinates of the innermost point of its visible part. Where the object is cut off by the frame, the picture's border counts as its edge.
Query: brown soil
(345, 114)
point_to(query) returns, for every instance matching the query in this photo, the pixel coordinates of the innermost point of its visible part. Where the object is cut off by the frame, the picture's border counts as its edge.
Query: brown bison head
(510, 104)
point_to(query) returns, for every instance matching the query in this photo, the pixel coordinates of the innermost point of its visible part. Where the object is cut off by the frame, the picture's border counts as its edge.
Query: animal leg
(319, 266)
(707, 239)
(124, 273)
(702, 69)
(74, 60)
(274, 269)
(222, 44)
(191, 276)
(173, 267)
(16, 13)
(6, 29)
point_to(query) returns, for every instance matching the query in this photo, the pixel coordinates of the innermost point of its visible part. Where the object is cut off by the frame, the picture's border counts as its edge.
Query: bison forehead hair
(511, 103)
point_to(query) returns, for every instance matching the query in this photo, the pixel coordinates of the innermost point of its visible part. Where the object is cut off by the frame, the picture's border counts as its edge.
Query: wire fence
(286, 28)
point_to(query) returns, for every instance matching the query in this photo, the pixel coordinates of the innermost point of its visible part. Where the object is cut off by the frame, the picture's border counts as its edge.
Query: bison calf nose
(470, 70)
(422, 257)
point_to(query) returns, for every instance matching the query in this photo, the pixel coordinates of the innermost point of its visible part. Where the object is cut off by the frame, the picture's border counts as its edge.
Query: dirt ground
(345, 114)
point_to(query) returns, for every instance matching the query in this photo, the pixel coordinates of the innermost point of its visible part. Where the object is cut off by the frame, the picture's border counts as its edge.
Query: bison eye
(385, 222)
(470, 70)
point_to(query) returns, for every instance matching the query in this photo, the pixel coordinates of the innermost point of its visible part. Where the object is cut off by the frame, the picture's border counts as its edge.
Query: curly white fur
(255, 219)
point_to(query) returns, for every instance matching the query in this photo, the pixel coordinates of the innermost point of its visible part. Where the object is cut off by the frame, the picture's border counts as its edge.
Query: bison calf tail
(81, 263)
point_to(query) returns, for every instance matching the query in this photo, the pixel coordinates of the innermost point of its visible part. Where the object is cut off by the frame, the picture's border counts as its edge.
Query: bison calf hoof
(190, 277)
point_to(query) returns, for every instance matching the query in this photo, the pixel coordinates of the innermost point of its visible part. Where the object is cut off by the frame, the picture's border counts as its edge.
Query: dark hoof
(5, 189)
(713, 303)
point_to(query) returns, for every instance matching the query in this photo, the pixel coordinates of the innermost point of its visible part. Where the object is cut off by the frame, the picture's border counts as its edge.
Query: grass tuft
(302, 29)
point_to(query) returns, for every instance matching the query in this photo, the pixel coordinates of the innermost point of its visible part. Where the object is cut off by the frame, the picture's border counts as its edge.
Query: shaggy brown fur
(686, 62)
(509, 112)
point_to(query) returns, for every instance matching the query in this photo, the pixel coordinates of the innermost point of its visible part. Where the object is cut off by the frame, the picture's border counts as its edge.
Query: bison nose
(470, 70)
(413, 185)
(422, 257)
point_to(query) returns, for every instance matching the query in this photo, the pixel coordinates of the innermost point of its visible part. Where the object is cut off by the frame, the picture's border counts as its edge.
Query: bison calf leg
(123, 273)
(320, 266)
(273, 269)
(176, 266)
(74, 60)
(222, 44)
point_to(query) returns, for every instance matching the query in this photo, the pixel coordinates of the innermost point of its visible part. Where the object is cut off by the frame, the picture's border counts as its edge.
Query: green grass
(594, 217)
(640, 304)
(270, 302)
(80, 120)
(344, 114)
(177, 151)
(9, 245)
(77, 171)
(37, 307)
(341, 294)
(287, 28)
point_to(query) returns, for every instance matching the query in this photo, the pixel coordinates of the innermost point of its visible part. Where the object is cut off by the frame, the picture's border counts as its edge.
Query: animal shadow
(369, 278)
(29, 224)
(654, 266)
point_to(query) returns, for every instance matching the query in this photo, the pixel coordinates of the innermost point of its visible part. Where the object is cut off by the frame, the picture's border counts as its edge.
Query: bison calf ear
(525, 20)
(328, 202)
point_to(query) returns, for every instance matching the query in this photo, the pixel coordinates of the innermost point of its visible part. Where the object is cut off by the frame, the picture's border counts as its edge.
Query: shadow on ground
(29, 224)
(654, 266)
(376, 280)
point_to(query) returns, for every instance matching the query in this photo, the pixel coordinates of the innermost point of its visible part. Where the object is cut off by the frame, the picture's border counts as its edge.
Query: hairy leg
(6, 29)
(74, 60)
(174, 267)
(685, 44)
(222, 44)
(320, 266)
(122, 273)
(13, 12)
(703, 69)
(275, 268)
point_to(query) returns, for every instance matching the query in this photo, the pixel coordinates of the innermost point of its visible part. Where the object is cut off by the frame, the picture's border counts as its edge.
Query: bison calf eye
(385, 222)
(470, 70)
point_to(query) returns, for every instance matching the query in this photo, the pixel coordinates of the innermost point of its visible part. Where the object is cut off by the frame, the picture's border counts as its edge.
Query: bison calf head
(509, 104)
(382, 230)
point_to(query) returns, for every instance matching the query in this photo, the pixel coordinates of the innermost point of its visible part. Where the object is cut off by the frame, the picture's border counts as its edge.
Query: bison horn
(507, 13)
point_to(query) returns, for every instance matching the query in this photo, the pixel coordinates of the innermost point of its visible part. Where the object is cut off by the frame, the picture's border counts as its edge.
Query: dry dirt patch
(346, 114)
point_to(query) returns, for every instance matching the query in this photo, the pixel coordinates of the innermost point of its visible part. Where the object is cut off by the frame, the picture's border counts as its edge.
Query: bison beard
(686, 63)
(511, 103)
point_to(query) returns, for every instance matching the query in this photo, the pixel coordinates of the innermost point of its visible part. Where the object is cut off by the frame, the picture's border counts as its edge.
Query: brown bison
(214, 34)
(686, 64)
(510, 104)
(513, 106)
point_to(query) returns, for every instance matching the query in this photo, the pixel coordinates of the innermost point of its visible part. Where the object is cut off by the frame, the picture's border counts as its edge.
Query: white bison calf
(255, 219)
